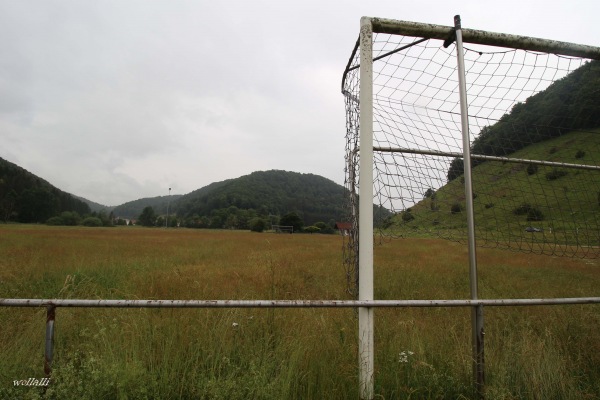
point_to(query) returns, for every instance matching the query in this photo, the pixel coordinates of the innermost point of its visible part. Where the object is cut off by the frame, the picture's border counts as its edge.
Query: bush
(324, 228)
(92, 221)
(55, 221)
(534, 214)
(456, 208)
(311, 229)
(407, 216)
(70, 218)
(555, 174)
(580, 154)
(522, 209)
(257, 224)
(532, 169)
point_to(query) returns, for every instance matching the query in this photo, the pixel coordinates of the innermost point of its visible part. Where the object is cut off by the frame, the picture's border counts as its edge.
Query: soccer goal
(282, 228)
(483, 138)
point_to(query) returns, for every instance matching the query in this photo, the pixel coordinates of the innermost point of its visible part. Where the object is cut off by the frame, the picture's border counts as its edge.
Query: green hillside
(267, 194)
(24, 197)
(562, 203)
(568, 104)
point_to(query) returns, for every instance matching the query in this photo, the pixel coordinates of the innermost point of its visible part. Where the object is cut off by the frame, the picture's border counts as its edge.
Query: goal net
(282, 228)
(534, 123)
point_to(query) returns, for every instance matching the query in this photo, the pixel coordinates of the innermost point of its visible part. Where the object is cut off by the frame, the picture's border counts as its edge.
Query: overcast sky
(119, 100)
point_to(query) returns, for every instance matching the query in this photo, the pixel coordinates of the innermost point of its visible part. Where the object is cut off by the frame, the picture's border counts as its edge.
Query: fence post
(49, 352)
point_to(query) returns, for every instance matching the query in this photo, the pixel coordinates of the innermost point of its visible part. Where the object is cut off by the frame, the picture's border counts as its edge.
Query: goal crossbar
(432, 31)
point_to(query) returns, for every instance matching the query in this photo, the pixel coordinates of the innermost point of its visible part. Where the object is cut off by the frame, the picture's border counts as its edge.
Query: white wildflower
(403, 356)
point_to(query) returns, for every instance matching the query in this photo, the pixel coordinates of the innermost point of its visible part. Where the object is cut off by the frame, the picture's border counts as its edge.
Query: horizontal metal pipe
(484, 157)
(288, 303)
(416, 29)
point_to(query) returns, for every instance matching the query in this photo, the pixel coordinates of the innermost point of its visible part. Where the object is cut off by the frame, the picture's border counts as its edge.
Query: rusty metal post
(49, 352)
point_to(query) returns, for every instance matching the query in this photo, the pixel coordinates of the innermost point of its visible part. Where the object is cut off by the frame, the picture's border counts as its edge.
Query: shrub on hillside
(555, 174)
(456, 208)
(532, 169)
(523, 209)
(534, 214)
(407, 216)
(580, 154)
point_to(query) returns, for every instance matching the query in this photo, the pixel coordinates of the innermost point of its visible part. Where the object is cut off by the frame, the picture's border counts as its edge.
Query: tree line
(234, 218)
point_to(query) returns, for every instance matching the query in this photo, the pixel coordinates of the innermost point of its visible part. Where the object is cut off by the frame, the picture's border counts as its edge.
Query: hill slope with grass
(562, 203)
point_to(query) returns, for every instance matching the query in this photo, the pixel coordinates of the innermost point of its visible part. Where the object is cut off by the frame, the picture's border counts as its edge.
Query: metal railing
(52, 304)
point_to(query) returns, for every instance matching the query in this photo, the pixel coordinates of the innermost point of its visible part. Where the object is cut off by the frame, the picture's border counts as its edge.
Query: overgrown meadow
(421, 353)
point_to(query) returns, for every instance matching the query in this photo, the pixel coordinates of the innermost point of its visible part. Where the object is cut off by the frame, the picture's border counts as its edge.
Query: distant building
(344, 228)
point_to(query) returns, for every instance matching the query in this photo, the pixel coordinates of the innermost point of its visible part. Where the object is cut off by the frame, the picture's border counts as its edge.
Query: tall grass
(531, 352)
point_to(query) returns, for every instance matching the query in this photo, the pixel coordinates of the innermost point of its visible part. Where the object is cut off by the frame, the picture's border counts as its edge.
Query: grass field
(531, 352)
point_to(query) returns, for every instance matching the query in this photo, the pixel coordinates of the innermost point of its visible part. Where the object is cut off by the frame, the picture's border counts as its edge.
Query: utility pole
(168, 205)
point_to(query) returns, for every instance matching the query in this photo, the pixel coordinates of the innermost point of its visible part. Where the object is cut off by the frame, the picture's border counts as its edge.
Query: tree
(429, 193)
(37, 205)
(292, 219)
(147, 217)
(457, 168)
(407, 216)
(8, 204)
(257, 224)
(324, 228)
(311, 229)
(92, 221)
(70, 218)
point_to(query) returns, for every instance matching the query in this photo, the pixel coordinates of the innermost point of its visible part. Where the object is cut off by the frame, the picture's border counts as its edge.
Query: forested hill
(267, 193)
(132, 209)
(571, 103)
(27, 198)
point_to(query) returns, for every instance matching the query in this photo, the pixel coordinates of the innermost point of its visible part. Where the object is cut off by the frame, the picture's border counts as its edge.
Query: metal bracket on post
(49, 352)
(477, 331)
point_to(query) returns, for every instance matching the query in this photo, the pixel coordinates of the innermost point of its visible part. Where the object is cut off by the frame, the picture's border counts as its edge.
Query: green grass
(531, 352)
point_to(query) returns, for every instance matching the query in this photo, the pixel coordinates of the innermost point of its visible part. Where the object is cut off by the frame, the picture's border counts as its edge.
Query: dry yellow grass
(532, 352)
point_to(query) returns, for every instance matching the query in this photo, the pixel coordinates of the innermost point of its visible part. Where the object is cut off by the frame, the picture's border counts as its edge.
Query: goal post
(444, 137)
(282, 228)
